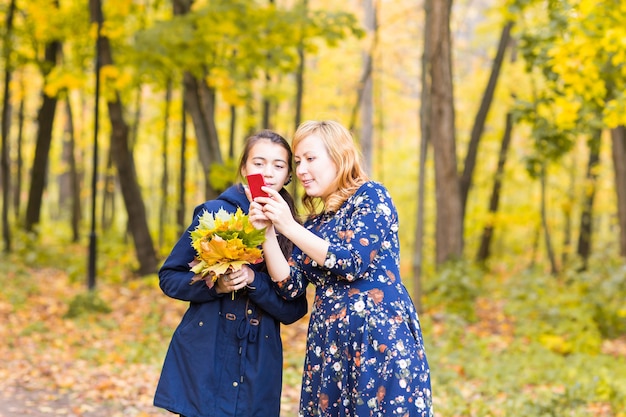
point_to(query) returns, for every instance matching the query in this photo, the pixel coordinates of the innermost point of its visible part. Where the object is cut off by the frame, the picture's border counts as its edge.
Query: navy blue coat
(225, 357)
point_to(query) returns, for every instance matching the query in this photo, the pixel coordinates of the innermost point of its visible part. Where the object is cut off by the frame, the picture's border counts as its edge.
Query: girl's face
(270, 160)
(315, 169)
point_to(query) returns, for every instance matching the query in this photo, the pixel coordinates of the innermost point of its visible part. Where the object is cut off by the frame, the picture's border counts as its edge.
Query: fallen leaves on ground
(98, 364)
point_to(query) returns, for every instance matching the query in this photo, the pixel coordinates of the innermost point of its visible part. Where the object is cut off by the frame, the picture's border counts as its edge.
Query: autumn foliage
(104, 358)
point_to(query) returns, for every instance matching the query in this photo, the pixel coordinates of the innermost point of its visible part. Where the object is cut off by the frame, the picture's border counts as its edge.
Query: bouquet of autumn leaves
(224, 242)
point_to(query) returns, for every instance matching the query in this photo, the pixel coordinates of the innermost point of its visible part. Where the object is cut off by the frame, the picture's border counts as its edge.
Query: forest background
(497, 126)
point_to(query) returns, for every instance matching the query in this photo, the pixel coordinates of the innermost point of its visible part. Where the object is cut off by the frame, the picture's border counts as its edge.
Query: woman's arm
(370, 219)
(369, 222)
(276, 210)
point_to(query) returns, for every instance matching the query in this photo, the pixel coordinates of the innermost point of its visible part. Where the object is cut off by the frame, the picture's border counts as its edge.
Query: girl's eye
(297, 163)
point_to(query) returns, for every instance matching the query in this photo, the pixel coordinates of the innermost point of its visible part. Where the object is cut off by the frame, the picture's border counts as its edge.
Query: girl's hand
(235, 280)
(257, 217)
(255, 213)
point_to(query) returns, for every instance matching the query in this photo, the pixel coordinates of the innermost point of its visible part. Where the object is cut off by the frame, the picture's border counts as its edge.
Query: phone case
(255, 182)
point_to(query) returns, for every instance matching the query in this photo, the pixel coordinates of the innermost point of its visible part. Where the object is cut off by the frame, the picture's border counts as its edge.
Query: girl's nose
(268, 171)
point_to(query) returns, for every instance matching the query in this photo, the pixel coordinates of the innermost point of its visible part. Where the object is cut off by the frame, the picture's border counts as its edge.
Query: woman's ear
(288, 180)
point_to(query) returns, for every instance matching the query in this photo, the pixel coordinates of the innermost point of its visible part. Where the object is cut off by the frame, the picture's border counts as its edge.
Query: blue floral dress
(365, 353)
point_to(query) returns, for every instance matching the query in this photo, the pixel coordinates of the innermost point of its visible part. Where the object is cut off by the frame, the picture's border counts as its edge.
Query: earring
(288, 180)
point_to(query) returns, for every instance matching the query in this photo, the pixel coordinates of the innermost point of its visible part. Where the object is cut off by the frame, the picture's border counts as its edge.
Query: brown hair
(342, 150)
(285, 244)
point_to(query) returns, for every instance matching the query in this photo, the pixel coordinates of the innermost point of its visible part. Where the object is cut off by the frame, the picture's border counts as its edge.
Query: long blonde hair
(342, 150)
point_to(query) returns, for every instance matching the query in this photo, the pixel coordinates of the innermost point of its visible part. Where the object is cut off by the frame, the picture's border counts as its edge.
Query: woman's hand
(276, 210)
(235, 280)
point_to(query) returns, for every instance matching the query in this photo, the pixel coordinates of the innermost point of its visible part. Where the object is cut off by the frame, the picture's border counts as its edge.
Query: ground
(101, 365)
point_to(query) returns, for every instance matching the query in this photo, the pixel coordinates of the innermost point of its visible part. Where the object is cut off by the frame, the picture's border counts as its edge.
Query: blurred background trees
(506, 119)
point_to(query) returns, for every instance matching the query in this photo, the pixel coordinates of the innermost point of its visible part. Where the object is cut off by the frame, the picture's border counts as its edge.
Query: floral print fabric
(365, 353)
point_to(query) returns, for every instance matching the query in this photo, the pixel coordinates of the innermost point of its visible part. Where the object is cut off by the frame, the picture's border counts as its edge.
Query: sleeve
(264, 295)
(175, 274)
(363, 234)
(295, 285)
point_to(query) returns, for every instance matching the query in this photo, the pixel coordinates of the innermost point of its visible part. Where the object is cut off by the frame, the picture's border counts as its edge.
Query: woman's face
(315, 169)
(270, 160)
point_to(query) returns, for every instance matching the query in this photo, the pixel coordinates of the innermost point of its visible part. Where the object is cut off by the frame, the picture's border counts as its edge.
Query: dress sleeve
(295, 285)
(356, 241)
(175, 274)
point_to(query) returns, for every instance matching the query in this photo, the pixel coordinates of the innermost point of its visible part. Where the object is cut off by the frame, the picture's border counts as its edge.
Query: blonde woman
(365, 353)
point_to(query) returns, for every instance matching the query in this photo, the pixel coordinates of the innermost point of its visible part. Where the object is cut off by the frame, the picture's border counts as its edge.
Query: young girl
(225, 357)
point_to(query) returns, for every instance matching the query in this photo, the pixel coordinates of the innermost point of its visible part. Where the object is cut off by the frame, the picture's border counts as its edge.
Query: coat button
(235, 384)
(249, 312)
(201, 324)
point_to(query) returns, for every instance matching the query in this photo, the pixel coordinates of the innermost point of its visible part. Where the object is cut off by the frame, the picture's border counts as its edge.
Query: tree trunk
(586, 218)
(535, 245)
(131, 192)
(45, 121)
(618, 140)
(5, 122)
(69, 183)
(200, 117)
(19, 161)
(425, 108)
(481, 116)
(200, 102)
(299, 86)
(485, 241)
(365, 101)
(567, 215)
(108, 193)
(181, 219)
(299, 76)
(449, 232)
(266, 103)
(164, 154)
(134, 131)
(544, 222)
(231, 133)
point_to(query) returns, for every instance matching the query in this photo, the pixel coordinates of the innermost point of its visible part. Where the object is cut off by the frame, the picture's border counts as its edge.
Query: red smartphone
(255, 182)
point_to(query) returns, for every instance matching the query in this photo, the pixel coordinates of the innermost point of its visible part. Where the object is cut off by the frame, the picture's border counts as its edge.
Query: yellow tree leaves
(590, 59)
(577, 55)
